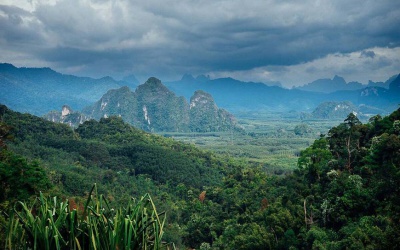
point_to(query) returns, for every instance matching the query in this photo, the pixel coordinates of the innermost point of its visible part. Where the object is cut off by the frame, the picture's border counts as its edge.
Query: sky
(291, 41)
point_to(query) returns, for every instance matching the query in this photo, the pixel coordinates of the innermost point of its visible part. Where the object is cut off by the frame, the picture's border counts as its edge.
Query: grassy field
(269, 141)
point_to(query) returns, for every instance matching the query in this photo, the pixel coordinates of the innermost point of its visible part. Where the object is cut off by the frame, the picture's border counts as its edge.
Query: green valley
(342, 194)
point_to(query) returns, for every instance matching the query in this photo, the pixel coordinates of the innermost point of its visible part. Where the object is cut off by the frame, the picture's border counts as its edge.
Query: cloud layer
(255, 40)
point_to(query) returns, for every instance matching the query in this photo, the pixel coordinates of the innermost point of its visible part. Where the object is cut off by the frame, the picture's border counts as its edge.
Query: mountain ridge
(46, 90)
(338, 83)
(153, 107)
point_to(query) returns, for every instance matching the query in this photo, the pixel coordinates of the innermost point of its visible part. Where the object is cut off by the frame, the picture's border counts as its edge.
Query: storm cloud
(255, 40)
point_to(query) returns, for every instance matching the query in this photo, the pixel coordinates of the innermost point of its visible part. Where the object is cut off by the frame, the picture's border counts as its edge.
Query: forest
(85, 188)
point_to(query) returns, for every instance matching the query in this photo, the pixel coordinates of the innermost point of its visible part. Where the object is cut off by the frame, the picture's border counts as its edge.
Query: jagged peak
(202, 93)
(339, 79)
(66, 110)
(187, 77)
(153, 81)
(153, 84)
(201, 97)
(395, 84)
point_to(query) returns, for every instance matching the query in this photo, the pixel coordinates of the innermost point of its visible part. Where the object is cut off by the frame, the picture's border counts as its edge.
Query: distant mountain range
(338, 83)
(237, 96)
(40, 90)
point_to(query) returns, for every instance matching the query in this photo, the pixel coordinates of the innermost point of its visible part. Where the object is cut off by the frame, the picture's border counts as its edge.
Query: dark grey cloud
(367, 53)
(15, 30)
(172, 37)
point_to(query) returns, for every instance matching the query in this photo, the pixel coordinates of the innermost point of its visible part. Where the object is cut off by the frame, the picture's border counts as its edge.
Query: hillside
(108, 144)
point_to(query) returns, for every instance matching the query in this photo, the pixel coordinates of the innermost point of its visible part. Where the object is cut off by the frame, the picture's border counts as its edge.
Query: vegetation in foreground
(53, 224)
(343, 195)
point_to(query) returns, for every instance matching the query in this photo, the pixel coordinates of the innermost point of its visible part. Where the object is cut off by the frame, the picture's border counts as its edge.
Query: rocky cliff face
(206, 116)
(67, 116)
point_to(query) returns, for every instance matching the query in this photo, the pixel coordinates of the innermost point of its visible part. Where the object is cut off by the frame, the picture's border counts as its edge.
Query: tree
(314, 160)
(302, 129)
(19, 179)
(347, 141)
(4, 134)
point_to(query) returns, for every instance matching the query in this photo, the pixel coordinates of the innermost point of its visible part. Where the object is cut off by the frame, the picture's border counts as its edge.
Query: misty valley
(197, 163)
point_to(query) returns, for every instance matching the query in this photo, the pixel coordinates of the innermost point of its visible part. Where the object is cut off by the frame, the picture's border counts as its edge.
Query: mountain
(206, 116)
(40, 90)
(337, 83)
(340, 110)
(334, 110)
(382, 84)
(153, 107)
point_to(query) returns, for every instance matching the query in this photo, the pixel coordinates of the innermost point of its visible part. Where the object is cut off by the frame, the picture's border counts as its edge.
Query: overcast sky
(290, 41)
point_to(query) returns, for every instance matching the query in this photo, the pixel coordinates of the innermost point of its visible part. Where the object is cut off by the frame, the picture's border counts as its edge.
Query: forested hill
(109, 144)
(351, 186)
(343, 195)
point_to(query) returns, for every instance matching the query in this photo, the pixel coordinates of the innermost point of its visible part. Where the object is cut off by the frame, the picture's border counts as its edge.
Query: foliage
(302, 129)
(19, 179)
(54, 224)
(343, 193)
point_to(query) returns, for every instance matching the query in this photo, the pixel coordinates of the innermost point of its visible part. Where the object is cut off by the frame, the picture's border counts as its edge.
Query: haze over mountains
(41, 90)
(237, 96)
(338, 83)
